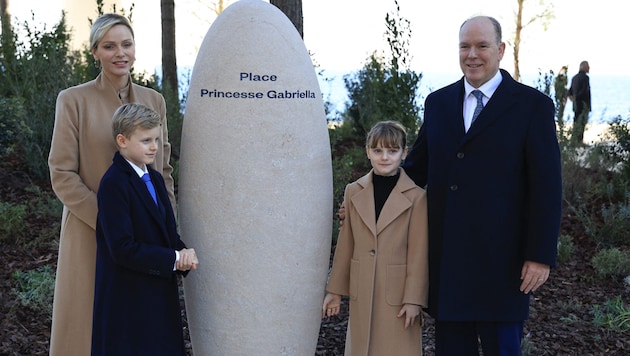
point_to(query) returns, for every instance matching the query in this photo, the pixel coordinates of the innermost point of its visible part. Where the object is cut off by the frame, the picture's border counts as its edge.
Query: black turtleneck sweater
(383, 186)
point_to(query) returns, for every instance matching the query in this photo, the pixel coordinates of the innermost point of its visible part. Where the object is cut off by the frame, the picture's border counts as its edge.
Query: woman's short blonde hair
(103, 24)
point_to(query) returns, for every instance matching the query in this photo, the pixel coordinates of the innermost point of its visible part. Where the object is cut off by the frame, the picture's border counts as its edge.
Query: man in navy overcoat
(494, 198)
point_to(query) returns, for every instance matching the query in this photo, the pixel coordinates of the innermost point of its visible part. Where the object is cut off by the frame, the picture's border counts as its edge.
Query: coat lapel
(502, 99)
(363, 202)
(396, 204)
(455, 113)
(156, 212)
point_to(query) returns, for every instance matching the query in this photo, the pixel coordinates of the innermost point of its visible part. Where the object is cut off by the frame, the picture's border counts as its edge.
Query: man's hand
(533, 275)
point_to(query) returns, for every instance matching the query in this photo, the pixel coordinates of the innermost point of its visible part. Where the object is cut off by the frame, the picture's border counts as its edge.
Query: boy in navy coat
(139, 252)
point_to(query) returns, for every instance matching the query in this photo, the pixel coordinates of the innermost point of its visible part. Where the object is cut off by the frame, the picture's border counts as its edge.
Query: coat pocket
(354, 279)
(395, 280)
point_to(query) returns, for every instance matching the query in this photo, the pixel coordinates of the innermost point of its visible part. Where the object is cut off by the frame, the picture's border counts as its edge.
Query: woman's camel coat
(82, 149)
(382, 265)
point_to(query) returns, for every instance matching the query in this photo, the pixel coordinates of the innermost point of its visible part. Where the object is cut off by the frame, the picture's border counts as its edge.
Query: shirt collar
(488, 88)
(138, 170)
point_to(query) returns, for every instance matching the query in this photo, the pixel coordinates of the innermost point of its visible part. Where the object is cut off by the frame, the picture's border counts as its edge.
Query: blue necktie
(479, 95)
(147, 180)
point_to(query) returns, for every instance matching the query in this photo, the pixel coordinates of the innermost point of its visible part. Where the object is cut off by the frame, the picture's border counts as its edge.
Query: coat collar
(140, 187)
(103, 84)
(396, 203)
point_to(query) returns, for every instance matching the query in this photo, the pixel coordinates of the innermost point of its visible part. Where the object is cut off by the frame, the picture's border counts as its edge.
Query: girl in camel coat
(380, 259)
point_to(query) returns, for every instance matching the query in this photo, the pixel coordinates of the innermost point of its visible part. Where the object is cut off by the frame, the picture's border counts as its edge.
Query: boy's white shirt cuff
(176, 259)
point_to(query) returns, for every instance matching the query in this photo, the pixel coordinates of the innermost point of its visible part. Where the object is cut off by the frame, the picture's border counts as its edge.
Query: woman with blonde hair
(81, 151)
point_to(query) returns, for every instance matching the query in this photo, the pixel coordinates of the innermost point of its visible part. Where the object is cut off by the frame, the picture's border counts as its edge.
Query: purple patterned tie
(479, 95)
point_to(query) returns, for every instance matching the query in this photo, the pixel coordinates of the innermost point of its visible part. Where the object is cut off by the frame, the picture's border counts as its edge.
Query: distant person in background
(81, 151)
(580, 94)
(561, 91)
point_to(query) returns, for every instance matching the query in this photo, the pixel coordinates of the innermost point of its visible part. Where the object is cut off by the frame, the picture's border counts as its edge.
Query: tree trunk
(6, 39)
(169, 58)
(4, 7)
(517, 39)
(5, 17)
(293, 10)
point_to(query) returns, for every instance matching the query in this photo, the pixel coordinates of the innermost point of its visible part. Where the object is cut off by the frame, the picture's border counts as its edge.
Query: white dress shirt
(470, 102)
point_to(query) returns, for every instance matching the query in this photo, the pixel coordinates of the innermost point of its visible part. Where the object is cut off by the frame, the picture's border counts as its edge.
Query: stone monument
(255, 188)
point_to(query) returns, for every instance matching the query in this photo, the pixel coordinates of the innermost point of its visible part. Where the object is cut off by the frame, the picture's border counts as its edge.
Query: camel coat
(382, 265)
(81, 151)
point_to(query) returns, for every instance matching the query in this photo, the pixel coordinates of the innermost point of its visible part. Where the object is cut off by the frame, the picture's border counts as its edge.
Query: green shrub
(616, 225)
(44, 205)
(617, 146)
(614, 315)
(612, 262)
(527, 347)
(40, 67)
(11, 221)
(386, 87)
(565, 248)
(12, 125)
(34, 289)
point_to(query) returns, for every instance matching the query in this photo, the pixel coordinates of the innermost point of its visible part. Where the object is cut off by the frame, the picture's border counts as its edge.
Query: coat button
(460, 155)
(454, 187)
(372, 252)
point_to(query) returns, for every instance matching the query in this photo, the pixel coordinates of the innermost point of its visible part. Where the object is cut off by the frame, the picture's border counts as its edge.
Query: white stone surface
(255, 188)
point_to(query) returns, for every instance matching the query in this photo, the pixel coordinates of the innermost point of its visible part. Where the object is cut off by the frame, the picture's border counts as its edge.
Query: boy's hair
(103, 24)
(129, 117)
(390, 134)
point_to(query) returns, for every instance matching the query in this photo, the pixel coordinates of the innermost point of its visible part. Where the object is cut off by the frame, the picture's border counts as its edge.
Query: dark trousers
(464, 338)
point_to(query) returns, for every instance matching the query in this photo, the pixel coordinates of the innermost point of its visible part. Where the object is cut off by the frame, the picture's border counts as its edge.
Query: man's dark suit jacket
(581, 91)
(494, 199)
(136, 301)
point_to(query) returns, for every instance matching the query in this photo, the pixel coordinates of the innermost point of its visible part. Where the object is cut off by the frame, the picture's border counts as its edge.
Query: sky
(341, 34)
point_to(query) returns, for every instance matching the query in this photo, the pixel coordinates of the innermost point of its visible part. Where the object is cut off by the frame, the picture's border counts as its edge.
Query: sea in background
(610, 95)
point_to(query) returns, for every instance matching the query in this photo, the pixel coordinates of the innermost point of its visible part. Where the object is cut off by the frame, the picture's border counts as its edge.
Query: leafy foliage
(565, 248)
(34, 289)
(11, 221)
(614, 315)
(385, 90)
(13, 127)
(35, 70)
(612, 262)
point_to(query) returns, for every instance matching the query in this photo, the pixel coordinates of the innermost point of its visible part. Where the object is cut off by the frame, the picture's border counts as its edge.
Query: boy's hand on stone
(187, 259)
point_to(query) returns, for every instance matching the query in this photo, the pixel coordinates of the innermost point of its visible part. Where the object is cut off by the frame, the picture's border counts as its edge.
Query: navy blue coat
(494, 198)
(136, 301)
